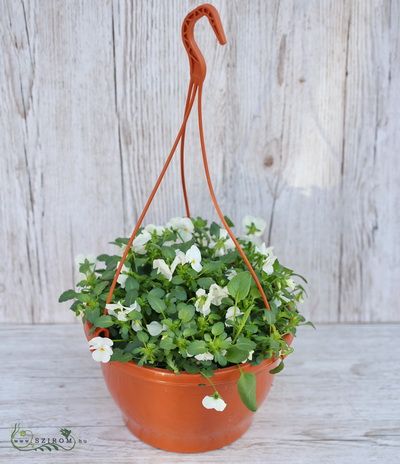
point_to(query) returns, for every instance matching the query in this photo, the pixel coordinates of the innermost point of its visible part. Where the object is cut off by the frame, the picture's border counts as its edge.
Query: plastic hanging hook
(197, 63)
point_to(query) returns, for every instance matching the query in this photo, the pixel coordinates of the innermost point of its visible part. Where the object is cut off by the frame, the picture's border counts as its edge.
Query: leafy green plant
(186, 302)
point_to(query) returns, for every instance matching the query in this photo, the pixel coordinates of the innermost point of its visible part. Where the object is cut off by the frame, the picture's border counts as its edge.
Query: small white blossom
(136, 326)
(101, 349)
(216, 294)
(180, 258)
(249, 357)
(202, 304)
(123, 276)
(254, 226)
(138, 245)
(214, 402)
(120, 312)
(193, 257)
(224, 244)
(232, 313)
(155, 328)
(290, 283)
(268, 265)
(230, 274)
(162, 268)
(204, 356)
(183, 226)
(151, 228)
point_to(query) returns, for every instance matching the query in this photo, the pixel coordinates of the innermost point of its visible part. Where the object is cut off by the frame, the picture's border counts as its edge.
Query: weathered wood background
(302, 110)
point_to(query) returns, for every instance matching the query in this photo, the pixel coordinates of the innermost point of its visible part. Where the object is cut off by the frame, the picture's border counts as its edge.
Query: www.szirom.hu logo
(26, 440)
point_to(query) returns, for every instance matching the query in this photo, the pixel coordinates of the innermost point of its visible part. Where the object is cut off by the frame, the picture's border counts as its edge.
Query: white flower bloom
(214, 402)
(290, 283)
(216, 294)
(180, 258)
(249, 357)
(151, 228)
(254, 226)
(140, 241)
(230, 274)
(224, 243)
(136, 326)
(122, 277)
(204, 356)
(183, 226)
(232, 313)
(202, 304)
(101, 349)
(155, 328)
(162, 268)
(268, 265)
(193, 257)
(120, 312)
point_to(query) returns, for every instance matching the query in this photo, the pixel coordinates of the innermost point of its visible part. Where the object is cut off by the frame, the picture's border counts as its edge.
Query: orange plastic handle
(197, 76)
(197, 63)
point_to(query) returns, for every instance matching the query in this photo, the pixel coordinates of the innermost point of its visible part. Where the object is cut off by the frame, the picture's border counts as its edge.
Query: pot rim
(164, 375)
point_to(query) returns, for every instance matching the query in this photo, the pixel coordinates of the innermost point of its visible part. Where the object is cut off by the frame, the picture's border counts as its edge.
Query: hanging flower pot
(189, 321)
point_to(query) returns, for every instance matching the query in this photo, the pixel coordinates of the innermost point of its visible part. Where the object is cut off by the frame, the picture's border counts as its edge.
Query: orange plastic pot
(165, 409)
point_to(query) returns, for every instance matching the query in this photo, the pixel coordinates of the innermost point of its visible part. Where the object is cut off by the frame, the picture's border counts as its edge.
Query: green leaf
(229, 222)
(277, 369)
(142, 336)
(197, 347)
(214, 229)
(98, 289)
(131, 284)
(119, 355)
(236, 355)
(131, 297)
(168, 253)
(177, 280)
(212, 267)
(167, 344)
(245, 344)
(185, 312)
(108, 275)
(239, 286)
(179, 293)
(205, 282)
(156, 303)
(246, 385)
(67, 295)
(218, 328)
(157, 291)
(103, 321)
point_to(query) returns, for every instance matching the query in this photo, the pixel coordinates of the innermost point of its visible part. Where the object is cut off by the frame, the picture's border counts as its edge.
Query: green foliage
(247, 390)
(190, 306)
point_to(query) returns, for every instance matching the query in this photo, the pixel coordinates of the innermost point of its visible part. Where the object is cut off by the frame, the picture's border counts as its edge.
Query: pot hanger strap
(197, 75)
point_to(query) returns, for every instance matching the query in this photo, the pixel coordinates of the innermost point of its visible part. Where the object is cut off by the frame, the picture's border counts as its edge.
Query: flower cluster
(185, 300)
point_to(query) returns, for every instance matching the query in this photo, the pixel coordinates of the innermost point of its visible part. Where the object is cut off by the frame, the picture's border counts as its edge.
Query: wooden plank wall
(301, 117)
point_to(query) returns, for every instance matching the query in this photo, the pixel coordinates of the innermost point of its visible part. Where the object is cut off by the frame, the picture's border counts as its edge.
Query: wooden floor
(337, 401)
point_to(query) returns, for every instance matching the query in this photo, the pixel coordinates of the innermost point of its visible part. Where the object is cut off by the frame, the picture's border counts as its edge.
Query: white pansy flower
(204, 356)
(138, 245)
(183, 226)
(216, 294)
(232, 313)
(267, 252)
(151, 228)
(249, 357)
(254, 226)
(224, 244)
(136, 326)
(290, 283)
(162, 268)
(214, 402)
(202, 304)
(155, 328)
(230, 274)
(101, 349)
(193, 257)
(180, 258)
(120, 312)
(122, 277)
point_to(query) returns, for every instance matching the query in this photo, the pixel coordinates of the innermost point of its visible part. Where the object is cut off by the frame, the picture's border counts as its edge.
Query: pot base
(177, 445)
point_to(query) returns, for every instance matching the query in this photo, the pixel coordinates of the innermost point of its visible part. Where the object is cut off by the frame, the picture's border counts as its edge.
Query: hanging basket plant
(189, 320)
